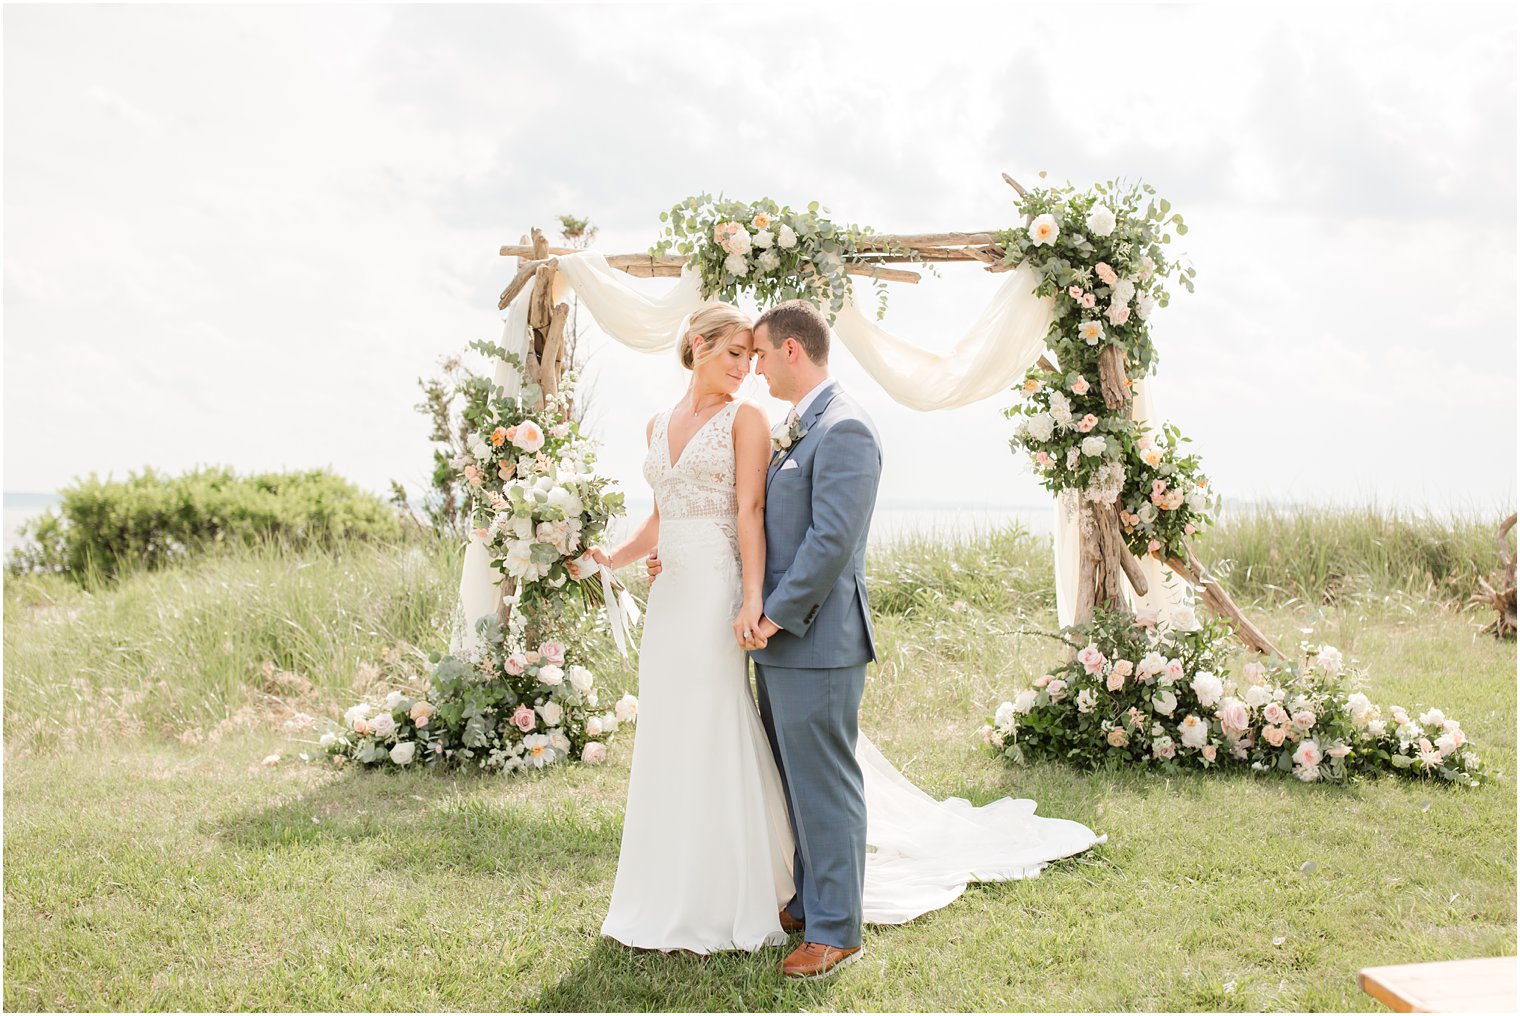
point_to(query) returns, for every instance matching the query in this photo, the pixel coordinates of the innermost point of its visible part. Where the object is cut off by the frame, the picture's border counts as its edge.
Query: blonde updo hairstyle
(712, 322)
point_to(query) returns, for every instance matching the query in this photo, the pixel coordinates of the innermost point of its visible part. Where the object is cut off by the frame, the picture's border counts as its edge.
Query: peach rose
(499, 436)
(1087, 423)
(529, 437)
(1118, 738)
(1209, 751)
(1274, 735)
(1107, 274)
(421, 712)
(1080, 386)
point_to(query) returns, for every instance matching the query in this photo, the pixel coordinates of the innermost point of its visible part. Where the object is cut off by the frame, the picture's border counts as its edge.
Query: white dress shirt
(807, 400)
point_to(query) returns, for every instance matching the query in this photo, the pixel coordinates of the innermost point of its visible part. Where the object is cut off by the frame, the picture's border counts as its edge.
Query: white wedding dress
(706, 850)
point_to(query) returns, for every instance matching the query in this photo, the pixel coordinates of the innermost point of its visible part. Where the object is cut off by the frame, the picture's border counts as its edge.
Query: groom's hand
(652, 562)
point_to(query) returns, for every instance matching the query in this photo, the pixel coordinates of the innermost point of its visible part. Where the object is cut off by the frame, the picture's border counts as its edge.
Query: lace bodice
(700, 484)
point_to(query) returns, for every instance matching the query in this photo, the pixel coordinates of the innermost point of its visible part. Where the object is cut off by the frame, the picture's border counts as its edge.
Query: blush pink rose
(1303, 720)
(1081, 385)
(1107, 274)
(1174, 669)
(1042, 680)
(1234, 718)
(1075, 292)
(554, 652)
(524, 719)
(1275, 713)
(1116, 679)
(534, 658)
(1089, 301)
(515, 664)
(1209, 751)
(595, 753)
(1153, 546)
(1087, 423)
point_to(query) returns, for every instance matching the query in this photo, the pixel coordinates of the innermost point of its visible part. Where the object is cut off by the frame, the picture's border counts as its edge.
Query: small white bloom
(552, 712)
(1101, 220)
(627, 709)
(1258, 695)
(1194, 731)
(1004, 715)
(1087, 699)
(764, 239)
(1024, 701)
(1124, 291)
(1433, 718)
(580, 678)
(1147, 513)
(1044, 230)
(403, 753)
(1165, 702)
(1144, 304)
(1041, 426)
(1090, 332)
(593, 726)
(355, 713)
(1094, 445)
(1184, 619)
(1329, 660)
(1207, 687)
(328, 739)
(769, 261)
(785, 238)
(739, 242)
(393, 699)
(736, 265)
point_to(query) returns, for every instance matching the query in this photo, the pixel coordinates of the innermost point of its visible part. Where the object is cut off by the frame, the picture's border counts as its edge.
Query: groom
(813, 640)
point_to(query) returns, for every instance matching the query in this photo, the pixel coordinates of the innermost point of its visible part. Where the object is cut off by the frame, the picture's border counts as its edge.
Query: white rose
(559, 742)
(627, 709)
(1056, 690)
(1197, 499)
(328, 739)
(785, 238)
(522, 528)
(1087, 699)
(1446, 744)
(566, 501)
(1023, 702)
(1004, 715)
(736, 265)
(1147, 513)
(1144, 304)
(383, 725)
(1094, 445)
(1060, 408)
(764, 239)
(1360, 708)
(392, 699)
(739, 242)
(1101, 220)
(769, 261)
(1329, 660)
(1433, 718)
(1257, 696)
(1124, 291)
(594, 753)
(1377, 728)
(519, 560)
(478, 447)
(1041, 426)
(580, 678)
(402, 754)
(1147, 268)
(355, 713)
(593, 726)
(552, 712)
(1207, 687)
(551, 675)
(1183, 619)
(1165, 702)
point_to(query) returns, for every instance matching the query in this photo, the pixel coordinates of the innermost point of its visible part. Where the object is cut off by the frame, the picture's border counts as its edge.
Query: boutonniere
(786, 435)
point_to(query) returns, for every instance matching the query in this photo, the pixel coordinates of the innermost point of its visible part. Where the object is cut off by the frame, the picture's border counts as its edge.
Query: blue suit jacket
(819, 496)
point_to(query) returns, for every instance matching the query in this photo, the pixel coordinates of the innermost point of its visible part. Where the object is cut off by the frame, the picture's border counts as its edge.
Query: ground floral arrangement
(768, 251)
(1164, 693)
(520, 700)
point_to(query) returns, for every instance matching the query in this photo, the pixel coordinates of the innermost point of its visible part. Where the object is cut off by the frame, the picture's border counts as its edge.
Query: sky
(240, 234)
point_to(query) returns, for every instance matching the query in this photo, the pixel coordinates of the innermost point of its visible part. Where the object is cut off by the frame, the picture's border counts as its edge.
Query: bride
(707, 854)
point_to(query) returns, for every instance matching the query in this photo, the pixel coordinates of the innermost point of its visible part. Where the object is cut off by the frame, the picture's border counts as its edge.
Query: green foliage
(767, 250)
(104, 528)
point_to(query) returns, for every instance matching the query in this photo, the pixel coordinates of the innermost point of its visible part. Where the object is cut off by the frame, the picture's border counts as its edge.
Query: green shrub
(104, 528)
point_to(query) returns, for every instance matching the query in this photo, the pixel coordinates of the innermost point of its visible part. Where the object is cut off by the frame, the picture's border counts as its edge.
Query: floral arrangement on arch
(1101, 256)
(502, 708)
(767, 250)
(524, 699)
(1150, 692)
(536, 500)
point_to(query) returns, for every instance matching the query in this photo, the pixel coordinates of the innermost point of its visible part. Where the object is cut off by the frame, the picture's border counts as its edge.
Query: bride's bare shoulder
(649, 429)
(750, 417)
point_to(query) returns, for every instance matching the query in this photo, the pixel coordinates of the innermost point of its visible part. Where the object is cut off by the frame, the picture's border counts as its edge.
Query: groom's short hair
(800, 320)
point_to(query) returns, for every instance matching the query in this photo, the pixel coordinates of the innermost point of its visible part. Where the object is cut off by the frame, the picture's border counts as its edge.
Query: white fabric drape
(646, 323)
(991, 357)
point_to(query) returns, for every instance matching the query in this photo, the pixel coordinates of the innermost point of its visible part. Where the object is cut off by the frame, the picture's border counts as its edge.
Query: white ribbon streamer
(622, 611)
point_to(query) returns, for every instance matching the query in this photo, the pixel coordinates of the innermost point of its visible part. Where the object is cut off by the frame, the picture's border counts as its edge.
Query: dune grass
(151, 862)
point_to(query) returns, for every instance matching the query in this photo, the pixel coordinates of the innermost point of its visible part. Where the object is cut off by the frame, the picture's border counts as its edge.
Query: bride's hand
(600, 556)
(747, 626)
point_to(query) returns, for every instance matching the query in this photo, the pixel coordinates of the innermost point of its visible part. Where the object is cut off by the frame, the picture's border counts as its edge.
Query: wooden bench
(1455, 986)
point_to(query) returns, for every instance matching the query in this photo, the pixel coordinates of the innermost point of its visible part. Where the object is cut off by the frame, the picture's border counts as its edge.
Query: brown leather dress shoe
(790, 924)
(816, 960)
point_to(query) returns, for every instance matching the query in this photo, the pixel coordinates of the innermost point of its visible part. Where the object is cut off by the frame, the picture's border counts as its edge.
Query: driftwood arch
(1104, 556)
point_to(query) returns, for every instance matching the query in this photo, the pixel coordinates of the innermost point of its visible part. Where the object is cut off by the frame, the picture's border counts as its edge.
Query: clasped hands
(752, 629)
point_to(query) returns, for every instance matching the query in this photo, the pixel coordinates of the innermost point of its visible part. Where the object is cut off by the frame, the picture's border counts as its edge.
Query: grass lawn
(152, 863)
